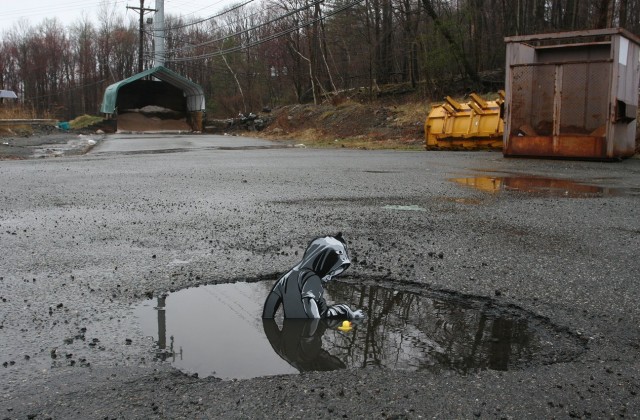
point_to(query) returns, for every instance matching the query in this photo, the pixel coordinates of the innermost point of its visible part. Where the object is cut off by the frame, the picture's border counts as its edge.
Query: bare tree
(282, 51)
(457, 49)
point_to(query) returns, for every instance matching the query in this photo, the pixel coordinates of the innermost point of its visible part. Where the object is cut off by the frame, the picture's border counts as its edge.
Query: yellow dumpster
(476, 124)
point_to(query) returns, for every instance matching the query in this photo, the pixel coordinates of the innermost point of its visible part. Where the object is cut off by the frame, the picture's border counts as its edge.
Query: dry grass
(348, 103)
(314, 138)
(15, 112)
(85, 121)
(411, 113)
(365, 143)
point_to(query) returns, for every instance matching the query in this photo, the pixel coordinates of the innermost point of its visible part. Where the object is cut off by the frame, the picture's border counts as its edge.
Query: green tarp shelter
(166, 89)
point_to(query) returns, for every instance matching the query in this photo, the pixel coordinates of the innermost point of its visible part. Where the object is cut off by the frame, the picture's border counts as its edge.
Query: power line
(212, 17)
(141, 10)
(49, 9)
(268, 38)
(59, 10)
(186, 4)
(219, 28)
(253, 28)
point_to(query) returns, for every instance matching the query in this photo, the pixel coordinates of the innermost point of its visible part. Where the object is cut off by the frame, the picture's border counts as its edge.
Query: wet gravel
(84, 238)
(53, 143)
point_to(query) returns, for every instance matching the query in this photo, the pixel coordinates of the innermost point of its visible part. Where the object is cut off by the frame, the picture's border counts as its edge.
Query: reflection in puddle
(217, 330)
(548, 187)
(299, 343)
(213, 331)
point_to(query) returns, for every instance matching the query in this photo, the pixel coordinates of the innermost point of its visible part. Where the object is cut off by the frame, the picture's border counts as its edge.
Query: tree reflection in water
(404, 330)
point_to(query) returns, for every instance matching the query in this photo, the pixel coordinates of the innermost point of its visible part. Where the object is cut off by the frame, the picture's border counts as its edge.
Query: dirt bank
(347, 124)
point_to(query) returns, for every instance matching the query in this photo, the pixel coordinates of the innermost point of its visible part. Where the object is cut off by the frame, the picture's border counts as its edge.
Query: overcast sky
(68, 11)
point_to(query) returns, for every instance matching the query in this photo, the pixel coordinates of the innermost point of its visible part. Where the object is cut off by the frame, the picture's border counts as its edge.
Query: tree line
(271, 52)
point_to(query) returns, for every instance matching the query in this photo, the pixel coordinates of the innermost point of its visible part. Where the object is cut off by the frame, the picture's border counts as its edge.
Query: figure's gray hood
(325, 256)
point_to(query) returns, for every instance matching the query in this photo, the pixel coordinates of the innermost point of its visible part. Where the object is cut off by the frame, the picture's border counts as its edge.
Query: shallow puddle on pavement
(410, 207)
(540, 186)
(217, 330)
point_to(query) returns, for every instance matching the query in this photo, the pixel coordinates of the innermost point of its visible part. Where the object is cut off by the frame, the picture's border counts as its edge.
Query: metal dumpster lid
(574, 34)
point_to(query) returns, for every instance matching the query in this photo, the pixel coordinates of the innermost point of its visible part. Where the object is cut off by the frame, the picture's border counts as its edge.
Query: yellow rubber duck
(346, 326)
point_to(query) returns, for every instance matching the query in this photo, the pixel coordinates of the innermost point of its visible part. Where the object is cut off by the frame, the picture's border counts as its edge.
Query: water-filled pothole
(217, 330)
(539, 186)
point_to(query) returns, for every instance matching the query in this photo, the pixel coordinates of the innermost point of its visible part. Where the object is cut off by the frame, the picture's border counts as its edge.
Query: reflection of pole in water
(162, 323)
(163, 353)
(502, 332)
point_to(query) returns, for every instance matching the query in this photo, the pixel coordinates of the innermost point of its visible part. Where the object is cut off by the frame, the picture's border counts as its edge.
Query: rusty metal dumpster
(572, 94)
(476, 124)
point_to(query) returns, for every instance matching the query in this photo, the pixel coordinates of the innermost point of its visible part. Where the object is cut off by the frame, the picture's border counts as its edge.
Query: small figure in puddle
(300, 291)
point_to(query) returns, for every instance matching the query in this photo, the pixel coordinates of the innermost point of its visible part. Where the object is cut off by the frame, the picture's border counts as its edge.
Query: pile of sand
(135, 122)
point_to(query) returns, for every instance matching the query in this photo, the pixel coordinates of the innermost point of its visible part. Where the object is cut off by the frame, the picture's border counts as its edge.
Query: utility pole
(141, 10)
(158, 35)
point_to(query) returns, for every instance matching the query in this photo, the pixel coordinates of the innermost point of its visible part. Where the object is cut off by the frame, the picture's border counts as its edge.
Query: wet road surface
(87, 239)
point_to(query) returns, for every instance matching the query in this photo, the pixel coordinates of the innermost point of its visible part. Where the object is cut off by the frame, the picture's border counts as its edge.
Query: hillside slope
(349, 124)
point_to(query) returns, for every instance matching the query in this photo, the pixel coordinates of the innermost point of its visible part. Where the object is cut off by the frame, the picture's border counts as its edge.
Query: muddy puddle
(217, 330)
(539, 186)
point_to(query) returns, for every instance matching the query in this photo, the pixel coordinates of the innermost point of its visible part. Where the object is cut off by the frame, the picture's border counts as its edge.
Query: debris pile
(248, 122)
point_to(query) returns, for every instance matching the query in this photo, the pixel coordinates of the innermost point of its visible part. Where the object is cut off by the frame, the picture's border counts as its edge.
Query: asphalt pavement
(86, 238)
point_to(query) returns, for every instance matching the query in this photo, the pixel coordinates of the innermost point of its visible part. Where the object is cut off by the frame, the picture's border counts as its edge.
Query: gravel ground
(86, 237)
